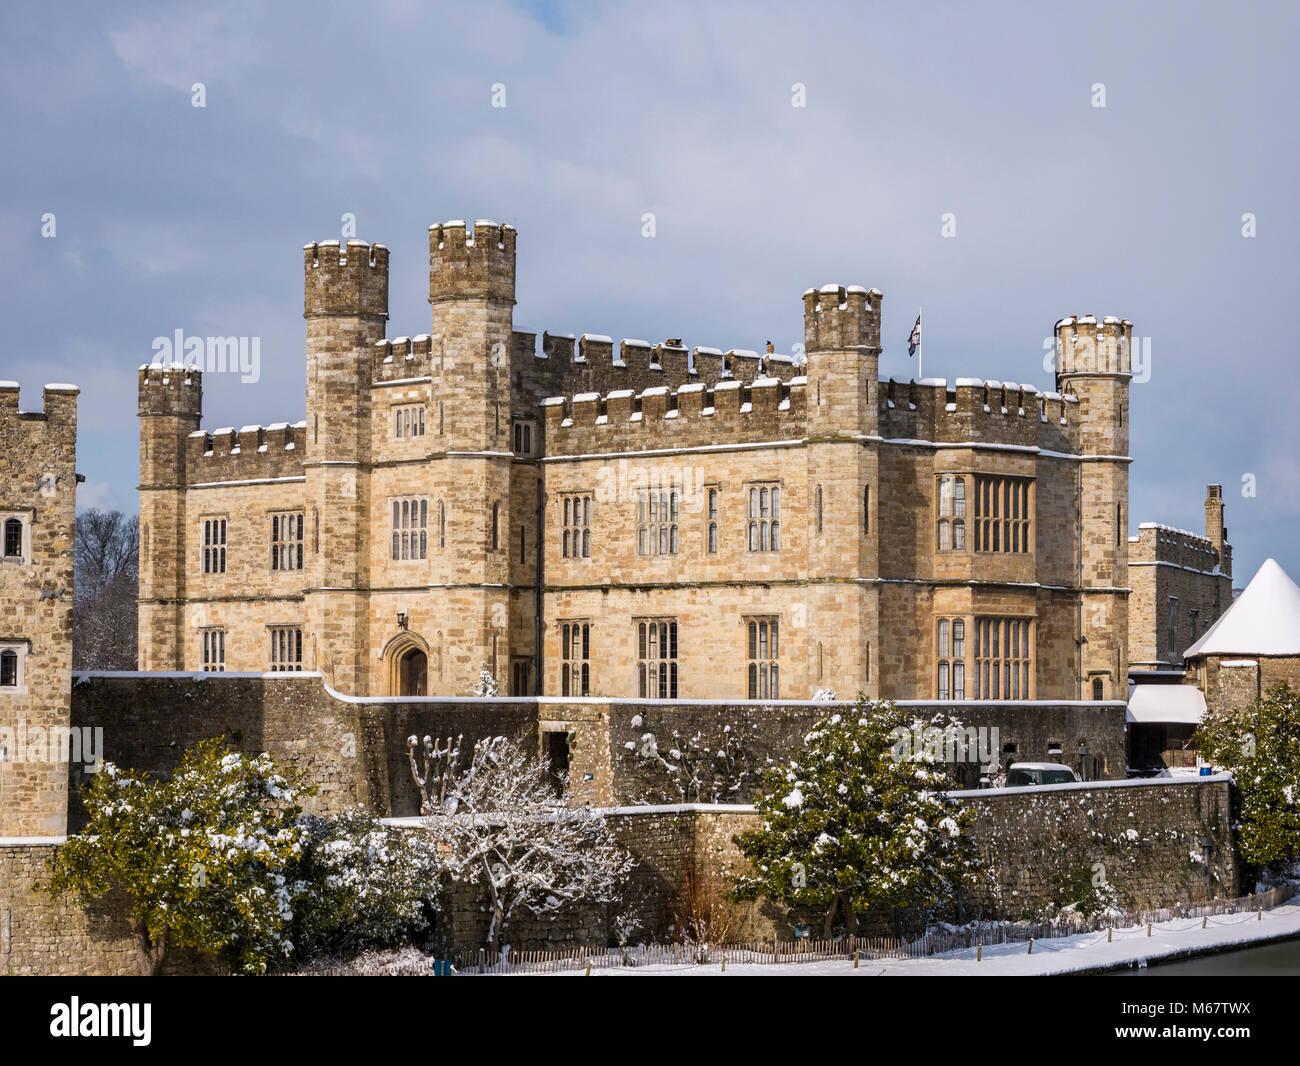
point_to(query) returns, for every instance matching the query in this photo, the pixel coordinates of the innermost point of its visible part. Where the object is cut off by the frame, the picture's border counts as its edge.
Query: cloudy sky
(169, 216)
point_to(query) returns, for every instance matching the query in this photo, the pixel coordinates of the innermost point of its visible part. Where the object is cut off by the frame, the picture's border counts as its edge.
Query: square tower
(38, 507)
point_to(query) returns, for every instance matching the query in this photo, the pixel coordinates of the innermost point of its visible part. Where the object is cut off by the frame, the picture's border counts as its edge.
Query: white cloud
(178, 48)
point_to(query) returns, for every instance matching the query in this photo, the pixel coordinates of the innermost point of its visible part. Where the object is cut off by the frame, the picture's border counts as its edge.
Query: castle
(645, 520)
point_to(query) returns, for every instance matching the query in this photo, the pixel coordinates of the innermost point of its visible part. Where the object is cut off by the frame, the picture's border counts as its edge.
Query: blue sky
(175, 217)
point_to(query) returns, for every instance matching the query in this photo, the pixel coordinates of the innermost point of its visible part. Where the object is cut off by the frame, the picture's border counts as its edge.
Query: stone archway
(407, 658)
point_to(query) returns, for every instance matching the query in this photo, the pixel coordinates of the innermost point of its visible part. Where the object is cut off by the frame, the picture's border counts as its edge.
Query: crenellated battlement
(597, 363)
(345, 280)
(1084, 346)
(56, 422)
(170, 389)
(400, 358)
(839, 316)
(250, 453)
(971, 409)
(472, 262)
(731, 412)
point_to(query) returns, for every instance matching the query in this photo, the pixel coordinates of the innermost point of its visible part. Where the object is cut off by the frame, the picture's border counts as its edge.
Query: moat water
(1267, 960)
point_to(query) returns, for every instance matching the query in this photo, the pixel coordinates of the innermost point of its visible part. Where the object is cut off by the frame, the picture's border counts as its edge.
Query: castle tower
(842, 344)
(346, 308)
(472, 297)
(170, 409)
(1094, 365)
(38, 505)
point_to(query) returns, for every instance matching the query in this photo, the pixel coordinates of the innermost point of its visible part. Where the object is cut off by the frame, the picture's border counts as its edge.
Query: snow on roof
(709, 351)
(632, 342)
(1263, 620)
(552, 401)
(586, 397)
(8, 384)
(59, 386)
(597, 338)
(1166, 703)
(968, 382)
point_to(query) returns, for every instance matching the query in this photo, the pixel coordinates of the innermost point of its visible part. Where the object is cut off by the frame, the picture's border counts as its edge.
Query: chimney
(770, 349)
(1214, 527)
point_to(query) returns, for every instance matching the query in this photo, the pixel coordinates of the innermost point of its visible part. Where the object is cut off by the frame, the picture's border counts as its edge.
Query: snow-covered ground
(1088, 951)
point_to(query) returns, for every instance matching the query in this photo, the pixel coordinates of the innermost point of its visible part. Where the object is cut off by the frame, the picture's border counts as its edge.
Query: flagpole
(920, 348)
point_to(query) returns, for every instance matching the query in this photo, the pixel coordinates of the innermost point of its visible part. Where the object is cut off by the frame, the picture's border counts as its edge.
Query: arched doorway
(406, 665)
(413, 674)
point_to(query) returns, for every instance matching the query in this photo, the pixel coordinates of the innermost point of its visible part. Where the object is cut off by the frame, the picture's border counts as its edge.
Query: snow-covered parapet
(765, 409)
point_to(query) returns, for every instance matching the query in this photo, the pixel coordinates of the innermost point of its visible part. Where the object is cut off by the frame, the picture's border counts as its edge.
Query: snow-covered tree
(202, 857)
(361, 885)
(1260, 745)
(487, 684)
(825, 695)
(499, 825)
(856, 819)
(719, 767)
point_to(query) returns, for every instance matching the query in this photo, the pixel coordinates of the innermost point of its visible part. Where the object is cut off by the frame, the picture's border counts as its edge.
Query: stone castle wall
(49, 936)
(1144, 837)
(354, 750)
(1232, 684)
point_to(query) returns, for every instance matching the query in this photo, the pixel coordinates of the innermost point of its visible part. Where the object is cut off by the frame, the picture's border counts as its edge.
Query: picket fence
(803, 950)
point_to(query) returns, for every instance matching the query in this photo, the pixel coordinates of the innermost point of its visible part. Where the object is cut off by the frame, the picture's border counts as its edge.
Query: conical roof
(1264, 620)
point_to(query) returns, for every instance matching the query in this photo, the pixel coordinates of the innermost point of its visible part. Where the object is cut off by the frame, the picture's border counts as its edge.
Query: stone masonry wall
(1146, 836)
(45, 935)
(38, 492)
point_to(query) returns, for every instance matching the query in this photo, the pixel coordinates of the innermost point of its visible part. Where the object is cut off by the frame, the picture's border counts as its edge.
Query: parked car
(1023, 774)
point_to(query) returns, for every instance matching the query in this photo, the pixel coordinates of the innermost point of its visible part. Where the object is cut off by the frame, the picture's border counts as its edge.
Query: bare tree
(499, 825)
(107, 581)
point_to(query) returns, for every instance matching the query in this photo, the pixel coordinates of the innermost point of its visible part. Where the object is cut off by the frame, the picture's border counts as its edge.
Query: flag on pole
(914, 341)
